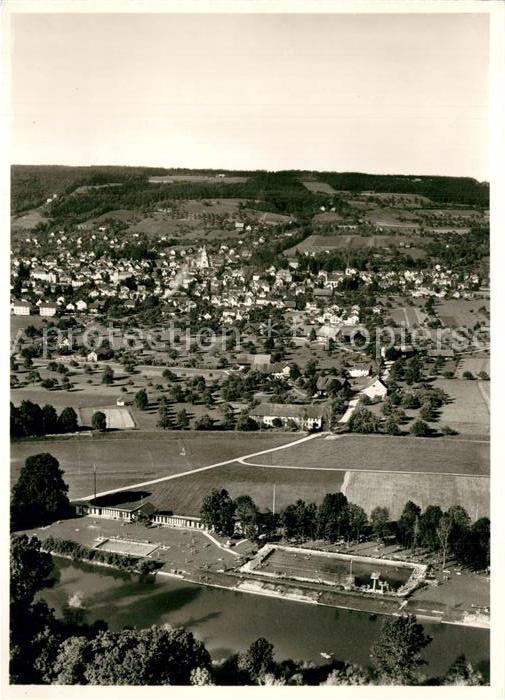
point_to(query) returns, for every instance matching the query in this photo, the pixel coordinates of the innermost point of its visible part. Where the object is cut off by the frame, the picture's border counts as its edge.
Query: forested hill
(283, 191)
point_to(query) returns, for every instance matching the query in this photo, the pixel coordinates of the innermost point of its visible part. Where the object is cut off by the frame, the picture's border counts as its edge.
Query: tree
(218, 512)
(40, 494)
(299, 519)
(351, 674)
(396, 654)
(152, 656)
(391, 427)
(99, 421)
(49, 419)
(357, 519)
(246, 423)
(408, 523)
(333, 517)
(34, 632)
(468, 375)
(257, 660)
(205, 422)
(140, 400)
(379, 519)
(363, 421)
(228, 416)
(67, 421)
(443, 531)
(182, 419)
(462, 673)
(165, 419)
(29, 569)
(429, 522)
(248, 516)
(420, 429)
(108, 376)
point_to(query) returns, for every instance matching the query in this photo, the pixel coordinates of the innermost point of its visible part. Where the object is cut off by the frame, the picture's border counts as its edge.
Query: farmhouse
(21, 308)
(305, 417)
(376, 389)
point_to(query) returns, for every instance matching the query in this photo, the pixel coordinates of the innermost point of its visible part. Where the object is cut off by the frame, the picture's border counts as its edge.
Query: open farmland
(318, 244)
(28, 221)
(230, 179)
(394, 490)
(473, 365)
(385, 453)
(318, 187)
(409, 316)
(126, 459)
(468, 411)
(462, 312)
(185, 494)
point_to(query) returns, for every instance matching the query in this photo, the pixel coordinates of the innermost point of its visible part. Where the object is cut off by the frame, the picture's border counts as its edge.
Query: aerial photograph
(249, 349)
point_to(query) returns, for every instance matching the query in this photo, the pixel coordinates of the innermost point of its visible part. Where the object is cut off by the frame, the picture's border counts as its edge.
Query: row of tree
(46, 650)
(29, 419)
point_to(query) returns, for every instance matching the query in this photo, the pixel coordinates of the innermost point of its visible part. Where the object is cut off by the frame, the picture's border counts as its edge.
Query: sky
(369, 93)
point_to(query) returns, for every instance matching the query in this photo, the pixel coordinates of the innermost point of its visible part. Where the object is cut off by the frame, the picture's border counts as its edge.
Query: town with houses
(284, 395)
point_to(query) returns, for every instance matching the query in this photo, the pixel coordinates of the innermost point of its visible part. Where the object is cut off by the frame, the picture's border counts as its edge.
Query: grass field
(462, 312)
(385, 453)
(394, 490)
(185, 495)
(316, 186)
(318, 244)
(473, 365)
(409, 316)
(468, 412)
(124, 460)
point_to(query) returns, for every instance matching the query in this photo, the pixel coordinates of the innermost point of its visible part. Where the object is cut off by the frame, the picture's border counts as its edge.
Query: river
(228, 621)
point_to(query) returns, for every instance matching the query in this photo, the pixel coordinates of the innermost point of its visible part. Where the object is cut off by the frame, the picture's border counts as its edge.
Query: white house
(359, 369)
(376, 389)
(305, 417)
(47, 309)
(21, 308)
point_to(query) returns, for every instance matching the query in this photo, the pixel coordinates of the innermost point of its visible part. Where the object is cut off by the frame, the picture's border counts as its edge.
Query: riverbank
(190, 556)
(228, 621)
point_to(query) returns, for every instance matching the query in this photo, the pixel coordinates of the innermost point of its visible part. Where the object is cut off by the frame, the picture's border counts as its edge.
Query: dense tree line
(45, 650)
(29, 419)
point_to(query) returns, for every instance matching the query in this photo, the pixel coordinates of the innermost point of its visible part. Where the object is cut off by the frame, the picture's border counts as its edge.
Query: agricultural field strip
(355, 469)
(202, 469)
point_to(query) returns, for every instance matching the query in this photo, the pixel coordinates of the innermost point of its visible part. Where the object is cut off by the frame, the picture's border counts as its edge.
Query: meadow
(369, 490)
(124, 459)
(385, 453)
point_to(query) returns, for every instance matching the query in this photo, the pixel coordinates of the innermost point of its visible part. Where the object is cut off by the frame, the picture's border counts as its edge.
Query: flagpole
(94, 479)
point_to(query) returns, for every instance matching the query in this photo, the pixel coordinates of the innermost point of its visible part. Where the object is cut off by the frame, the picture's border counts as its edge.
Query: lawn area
(129, 458)
(468, 411)
(369, 490)
(185, 495)
(381, 452)
(179, 549)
